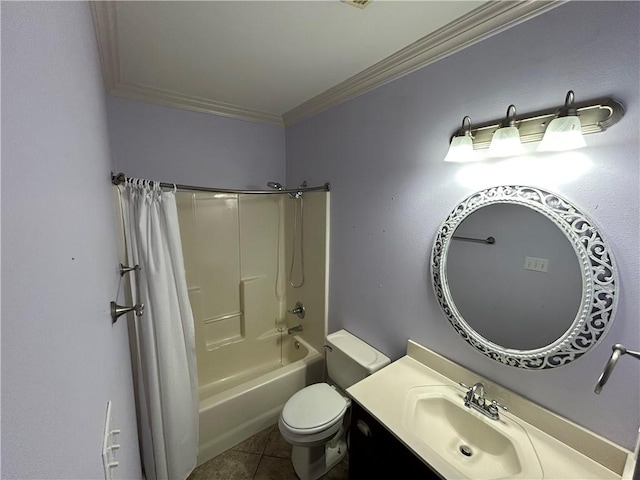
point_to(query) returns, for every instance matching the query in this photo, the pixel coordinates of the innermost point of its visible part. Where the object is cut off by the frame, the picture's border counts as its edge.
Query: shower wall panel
(313, 293)
(232, 248)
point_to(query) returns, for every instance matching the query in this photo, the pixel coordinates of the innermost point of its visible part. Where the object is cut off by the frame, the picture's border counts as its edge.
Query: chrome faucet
(298, 310)
(475, 398)
(296, 329)
(476, 394)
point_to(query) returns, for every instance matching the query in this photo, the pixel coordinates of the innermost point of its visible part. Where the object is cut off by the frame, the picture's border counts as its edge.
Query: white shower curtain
(165, 360)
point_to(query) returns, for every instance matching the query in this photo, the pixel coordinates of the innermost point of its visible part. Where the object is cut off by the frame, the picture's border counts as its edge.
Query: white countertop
(565, 450)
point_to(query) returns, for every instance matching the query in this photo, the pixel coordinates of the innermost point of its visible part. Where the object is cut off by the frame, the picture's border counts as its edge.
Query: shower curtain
(163, 355)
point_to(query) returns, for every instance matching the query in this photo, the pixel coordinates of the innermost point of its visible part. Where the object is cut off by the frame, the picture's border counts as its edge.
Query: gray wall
(62, 360)
(172, 145)
(383, 151)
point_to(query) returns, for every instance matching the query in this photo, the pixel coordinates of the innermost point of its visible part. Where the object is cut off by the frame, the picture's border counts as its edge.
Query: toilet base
(310, 463)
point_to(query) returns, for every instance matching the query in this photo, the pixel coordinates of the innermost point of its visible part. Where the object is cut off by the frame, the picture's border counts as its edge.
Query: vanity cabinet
(375, 453)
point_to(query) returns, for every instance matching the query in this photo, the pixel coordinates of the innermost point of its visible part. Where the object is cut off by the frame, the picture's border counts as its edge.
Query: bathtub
(228, 417)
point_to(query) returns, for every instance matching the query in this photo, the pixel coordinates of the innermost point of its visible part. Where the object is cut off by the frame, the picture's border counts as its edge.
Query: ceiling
(282, 61)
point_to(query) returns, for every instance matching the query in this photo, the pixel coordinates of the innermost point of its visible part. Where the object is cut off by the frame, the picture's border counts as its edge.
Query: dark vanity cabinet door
(376, 454)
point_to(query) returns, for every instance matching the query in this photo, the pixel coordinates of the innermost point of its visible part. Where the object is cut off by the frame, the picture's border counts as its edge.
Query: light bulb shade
(505, 143)
(563, 133)
(461, 150)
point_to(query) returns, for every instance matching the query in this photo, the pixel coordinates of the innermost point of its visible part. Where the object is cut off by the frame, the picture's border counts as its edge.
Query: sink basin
(475, 445)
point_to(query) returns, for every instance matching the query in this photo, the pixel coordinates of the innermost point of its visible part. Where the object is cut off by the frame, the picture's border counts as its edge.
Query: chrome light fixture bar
(595, 116)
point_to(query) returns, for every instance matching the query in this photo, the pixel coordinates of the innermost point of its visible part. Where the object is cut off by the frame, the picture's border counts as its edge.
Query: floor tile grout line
(257, 468)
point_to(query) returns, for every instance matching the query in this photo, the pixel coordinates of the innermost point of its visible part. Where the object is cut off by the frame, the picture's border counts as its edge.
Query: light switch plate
(536, 264)
(109, 445)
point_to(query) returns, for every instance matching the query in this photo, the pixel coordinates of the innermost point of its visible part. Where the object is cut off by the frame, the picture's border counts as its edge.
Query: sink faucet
(476, 394)
(475, 398)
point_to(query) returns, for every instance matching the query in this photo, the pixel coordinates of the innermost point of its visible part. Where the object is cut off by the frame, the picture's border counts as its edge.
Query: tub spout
(296, 329)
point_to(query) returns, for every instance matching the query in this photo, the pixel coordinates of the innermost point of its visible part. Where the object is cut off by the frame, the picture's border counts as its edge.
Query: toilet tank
(350, 359)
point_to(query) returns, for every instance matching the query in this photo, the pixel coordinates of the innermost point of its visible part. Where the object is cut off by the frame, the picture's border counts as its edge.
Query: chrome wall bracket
(618, 351)
(125, 269)
(119, 310)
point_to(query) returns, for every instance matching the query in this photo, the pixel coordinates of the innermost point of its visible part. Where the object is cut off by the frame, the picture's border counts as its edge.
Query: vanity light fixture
(594, 116)
(565, 131)
(506, 139)
(461, 148)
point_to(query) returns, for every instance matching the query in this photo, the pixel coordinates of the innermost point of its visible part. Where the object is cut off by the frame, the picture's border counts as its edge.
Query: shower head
(276, 185)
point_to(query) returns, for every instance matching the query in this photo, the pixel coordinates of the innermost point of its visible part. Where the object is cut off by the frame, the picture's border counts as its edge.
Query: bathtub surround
(233, 250)
(391, 190)
(62, 358)
(165, 353)
(237, 250)
(316, 228)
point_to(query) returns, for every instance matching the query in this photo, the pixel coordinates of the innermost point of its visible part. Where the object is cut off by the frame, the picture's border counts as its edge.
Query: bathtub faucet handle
(298, 310)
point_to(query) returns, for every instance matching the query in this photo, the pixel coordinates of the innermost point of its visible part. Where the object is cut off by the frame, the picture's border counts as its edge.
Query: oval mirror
(524, 277)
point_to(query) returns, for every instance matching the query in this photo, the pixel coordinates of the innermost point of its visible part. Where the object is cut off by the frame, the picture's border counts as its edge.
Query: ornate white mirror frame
(599, 277)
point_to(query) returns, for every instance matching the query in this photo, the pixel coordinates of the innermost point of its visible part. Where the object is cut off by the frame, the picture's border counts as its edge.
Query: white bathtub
(231, 416)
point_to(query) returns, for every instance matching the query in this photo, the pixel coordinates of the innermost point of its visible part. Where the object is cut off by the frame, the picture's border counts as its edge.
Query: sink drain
(466, 450)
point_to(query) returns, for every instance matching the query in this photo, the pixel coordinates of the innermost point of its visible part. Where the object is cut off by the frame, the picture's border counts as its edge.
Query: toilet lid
(313, 409)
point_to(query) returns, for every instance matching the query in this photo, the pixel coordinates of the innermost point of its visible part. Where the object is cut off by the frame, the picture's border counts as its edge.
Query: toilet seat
(313, 409)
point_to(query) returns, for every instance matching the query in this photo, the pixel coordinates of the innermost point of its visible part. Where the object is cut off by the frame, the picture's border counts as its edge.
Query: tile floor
(265, 456)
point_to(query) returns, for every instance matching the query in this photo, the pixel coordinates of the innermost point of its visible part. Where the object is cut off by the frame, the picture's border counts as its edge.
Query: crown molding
(105, 21)
(170, 98)
(487, 20)
(106, 28)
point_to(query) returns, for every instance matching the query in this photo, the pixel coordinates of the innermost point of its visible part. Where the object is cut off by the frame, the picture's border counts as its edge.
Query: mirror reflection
(524, 276)
(522, 289)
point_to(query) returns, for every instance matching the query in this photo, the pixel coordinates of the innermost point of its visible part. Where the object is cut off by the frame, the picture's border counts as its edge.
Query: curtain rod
(120, 178)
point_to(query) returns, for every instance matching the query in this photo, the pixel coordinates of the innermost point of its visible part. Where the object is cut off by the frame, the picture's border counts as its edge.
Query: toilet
(314, 419)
